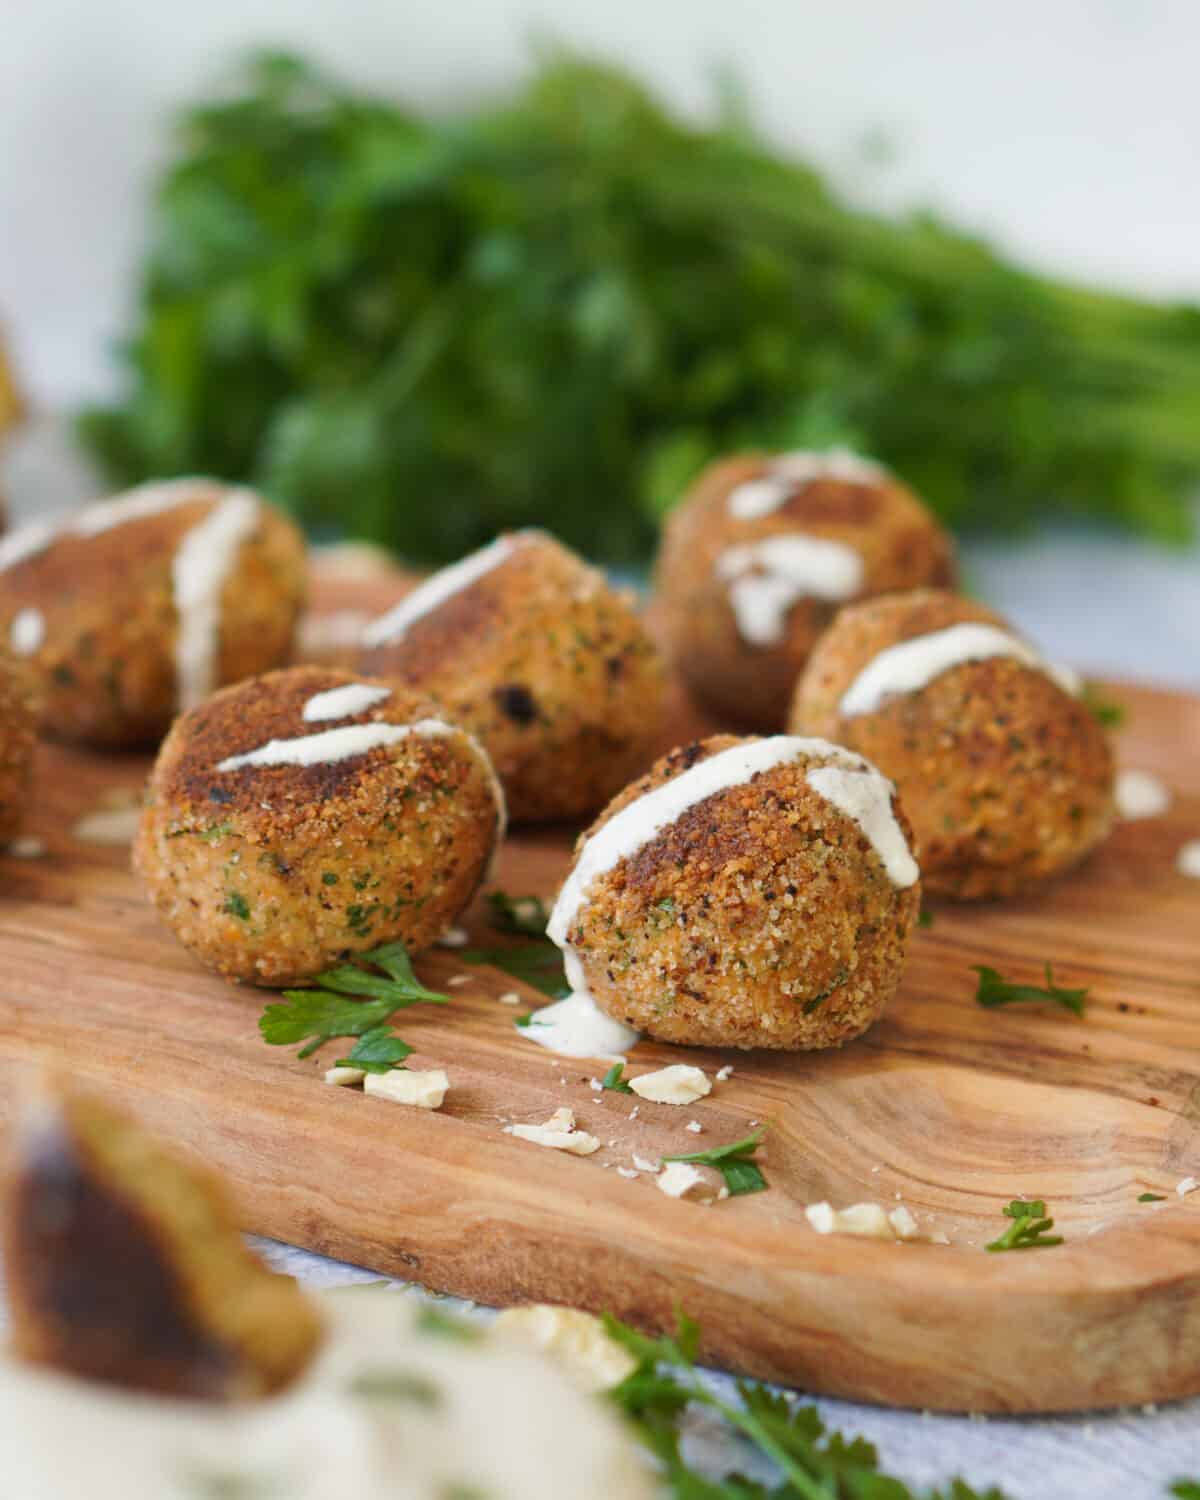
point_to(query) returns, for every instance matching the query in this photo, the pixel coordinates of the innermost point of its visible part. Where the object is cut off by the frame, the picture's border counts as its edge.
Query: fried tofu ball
(762, 552)
(548, 666)
(18, 731)
(301, 817)
(124, 1264)
(744, 893)
(1006, 774)
(140, 606)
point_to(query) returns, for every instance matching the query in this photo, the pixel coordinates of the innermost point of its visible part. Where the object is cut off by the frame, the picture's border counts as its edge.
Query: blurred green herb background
(419, 331)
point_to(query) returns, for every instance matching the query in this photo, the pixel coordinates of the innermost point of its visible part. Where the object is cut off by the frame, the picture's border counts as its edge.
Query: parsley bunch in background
(420, 331)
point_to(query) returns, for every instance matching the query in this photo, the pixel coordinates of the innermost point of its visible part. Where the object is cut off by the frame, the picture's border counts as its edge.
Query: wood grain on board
(948, 1108)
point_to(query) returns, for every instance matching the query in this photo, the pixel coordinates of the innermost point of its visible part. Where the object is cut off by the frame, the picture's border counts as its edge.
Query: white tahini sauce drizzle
(911, 665)
(27, 632)
(138, 504)
(24, 543)
(789, 472)
(854, 787)
(332, 745)
(434, 592)
(344, 702)
(1138, 794)
(202, 562)
(766, 578)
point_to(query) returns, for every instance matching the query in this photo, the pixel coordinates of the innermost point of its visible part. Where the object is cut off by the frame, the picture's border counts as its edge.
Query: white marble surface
(1105, 605)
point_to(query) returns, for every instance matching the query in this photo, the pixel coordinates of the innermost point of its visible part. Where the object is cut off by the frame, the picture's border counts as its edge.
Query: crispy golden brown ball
(125, 1264)
(18, 732)
(761, 917)
(142, 605)
(552, 669)
(1006, 776)
(270, 873)
(761, 553)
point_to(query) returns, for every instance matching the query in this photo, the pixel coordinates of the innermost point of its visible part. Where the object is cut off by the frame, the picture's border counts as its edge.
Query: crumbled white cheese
(865, 1219)
(725, 1074)
(426, 1090)
(681, 1083)
(1187, 861)
(454, 937)
(694, 1126)
(1138, 794)
(627, 1172)
(345, 1078)
(456, 981)
(938, 1238)
(643, 1165)
(1186, 1185)
(577, 1340)
(509, 997)
(595, 1085)
(633, 1113)
(678, 1179)
(26, 848)
(903, 1224)
(558, 1133)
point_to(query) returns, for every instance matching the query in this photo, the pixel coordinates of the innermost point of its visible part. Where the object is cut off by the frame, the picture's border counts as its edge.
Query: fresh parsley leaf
(993, 991)
(1152, 1198)
(1104, 710)
(613, 1080)
(519, 916)
(734, 1162)
(537, 964)
(1029, 1227)
(924, 917)
(1186, 1489)
(442, 1325)
(813, 1462)
(377, 1051)
(347, 1001)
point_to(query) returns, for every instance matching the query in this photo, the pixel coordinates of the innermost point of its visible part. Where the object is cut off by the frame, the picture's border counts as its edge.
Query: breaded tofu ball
(125, 1264)
(1006, 774)
(534, 653)
(761, 553)
(744, 893)
(18, 732)
(301, 817)
(139, 606)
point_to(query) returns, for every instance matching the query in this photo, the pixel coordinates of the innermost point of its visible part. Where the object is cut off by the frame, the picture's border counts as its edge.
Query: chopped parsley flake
(1029, 1227)
(993, 991)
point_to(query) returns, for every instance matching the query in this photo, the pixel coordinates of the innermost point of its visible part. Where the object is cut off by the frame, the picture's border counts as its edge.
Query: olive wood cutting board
(944, 1106)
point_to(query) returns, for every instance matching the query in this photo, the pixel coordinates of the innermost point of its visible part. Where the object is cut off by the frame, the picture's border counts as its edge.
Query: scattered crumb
(425, 1090)
(1186, 1185)
(1187, 861)
(725, 1074)
(595, 1085)
(558, 1133)
(679, 1179)
(1138, 794)
(456, 981)
(454, 937)
(874, 1169)
(627, 1172)
(509, 997)
(694, 1126)
(643, 1165)
(939, 1238)
(112, 826)
(345, 1078)
(633, 1113)
(26, 848)
(681, 1083)
(866, 1219)
(904, 1226)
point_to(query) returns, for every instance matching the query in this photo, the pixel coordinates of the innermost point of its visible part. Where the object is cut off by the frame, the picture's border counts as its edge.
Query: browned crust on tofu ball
(125, 1265)
(18, 733)
(1007, 778)
(549, 667)
(760, 918)
(107, 659)
(272, 873)
(748, 685)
